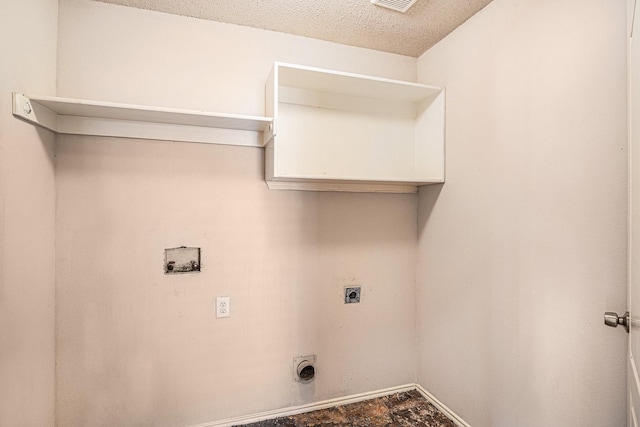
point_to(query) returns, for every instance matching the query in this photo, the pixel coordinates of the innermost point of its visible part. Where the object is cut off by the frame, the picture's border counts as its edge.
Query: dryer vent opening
(304, 369)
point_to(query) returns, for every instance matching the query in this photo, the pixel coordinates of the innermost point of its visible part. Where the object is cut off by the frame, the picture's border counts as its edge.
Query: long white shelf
(96, 118)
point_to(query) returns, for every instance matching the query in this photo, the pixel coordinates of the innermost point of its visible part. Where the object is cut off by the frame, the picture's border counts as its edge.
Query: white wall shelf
(336, 131)
(82, 117)
(330, 131)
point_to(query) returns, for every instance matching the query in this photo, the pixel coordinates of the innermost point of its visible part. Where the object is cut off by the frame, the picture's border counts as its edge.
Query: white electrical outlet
(223, 307)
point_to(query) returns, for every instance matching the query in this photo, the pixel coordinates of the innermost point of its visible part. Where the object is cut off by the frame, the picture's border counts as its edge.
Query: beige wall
(523, 249)
(28, 52)
(136, 56)
(136, 347)
(519, 253)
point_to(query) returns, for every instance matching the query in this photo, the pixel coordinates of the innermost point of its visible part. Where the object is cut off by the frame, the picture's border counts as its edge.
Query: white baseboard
(294, 410)
(442, 407)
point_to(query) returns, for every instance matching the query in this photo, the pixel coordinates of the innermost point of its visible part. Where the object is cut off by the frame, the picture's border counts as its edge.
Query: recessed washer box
(181, 260)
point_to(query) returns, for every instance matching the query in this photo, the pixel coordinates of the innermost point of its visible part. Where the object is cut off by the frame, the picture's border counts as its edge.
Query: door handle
(612, 319)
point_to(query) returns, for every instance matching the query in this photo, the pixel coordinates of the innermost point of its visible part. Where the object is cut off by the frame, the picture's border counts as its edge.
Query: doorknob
(612, 319)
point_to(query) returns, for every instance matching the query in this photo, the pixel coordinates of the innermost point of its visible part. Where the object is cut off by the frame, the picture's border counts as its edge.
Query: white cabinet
(336, 131)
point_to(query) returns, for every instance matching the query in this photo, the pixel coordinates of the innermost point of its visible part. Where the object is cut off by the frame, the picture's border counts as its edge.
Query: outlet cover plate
(223, 307)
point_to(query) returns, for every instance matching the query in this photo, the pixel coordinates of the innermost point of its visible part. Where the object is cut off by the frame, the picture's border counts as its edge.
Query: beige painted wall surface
(524, 247)
(136, 347)
(27, 194)
(134, 56)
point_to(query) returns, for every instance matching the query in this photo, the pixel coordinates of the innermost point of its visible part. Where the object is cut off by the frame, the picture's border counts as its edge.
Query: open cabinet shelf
(324, 131)
(337, 131)
(82, 117)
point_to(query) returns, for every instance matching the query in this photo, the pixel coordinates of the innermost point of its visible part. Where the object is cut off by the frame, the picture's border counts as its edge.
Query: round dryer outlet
(304, 369)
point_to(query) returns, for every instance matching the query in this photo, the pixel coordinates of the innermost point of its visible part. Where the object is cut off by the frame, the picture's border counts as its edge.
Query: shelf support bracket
(34, 113)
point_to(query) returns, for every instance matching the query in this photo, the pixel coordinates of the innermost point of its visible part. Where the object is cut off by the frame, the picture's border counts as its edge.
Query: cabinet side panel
(271, 103)
(430, 140)
(269, 161)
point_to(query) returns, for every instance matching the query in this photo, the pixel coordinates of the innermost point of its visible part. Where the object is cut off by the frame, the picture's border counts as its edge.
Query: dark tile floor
(408, 409)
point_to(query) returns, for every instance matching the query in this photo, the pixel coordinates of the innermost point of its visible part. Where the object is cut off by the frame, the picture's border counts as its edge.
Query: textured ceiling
(350, 22)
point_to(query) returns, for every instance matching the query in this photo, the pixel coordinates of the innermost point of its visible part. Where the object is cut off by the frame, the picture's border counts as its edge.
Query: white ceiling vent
(399, 5)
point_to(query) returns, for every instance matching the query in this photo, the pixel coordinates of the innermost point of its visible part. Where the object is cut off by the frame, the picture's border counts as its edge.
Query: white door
(633, 381)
